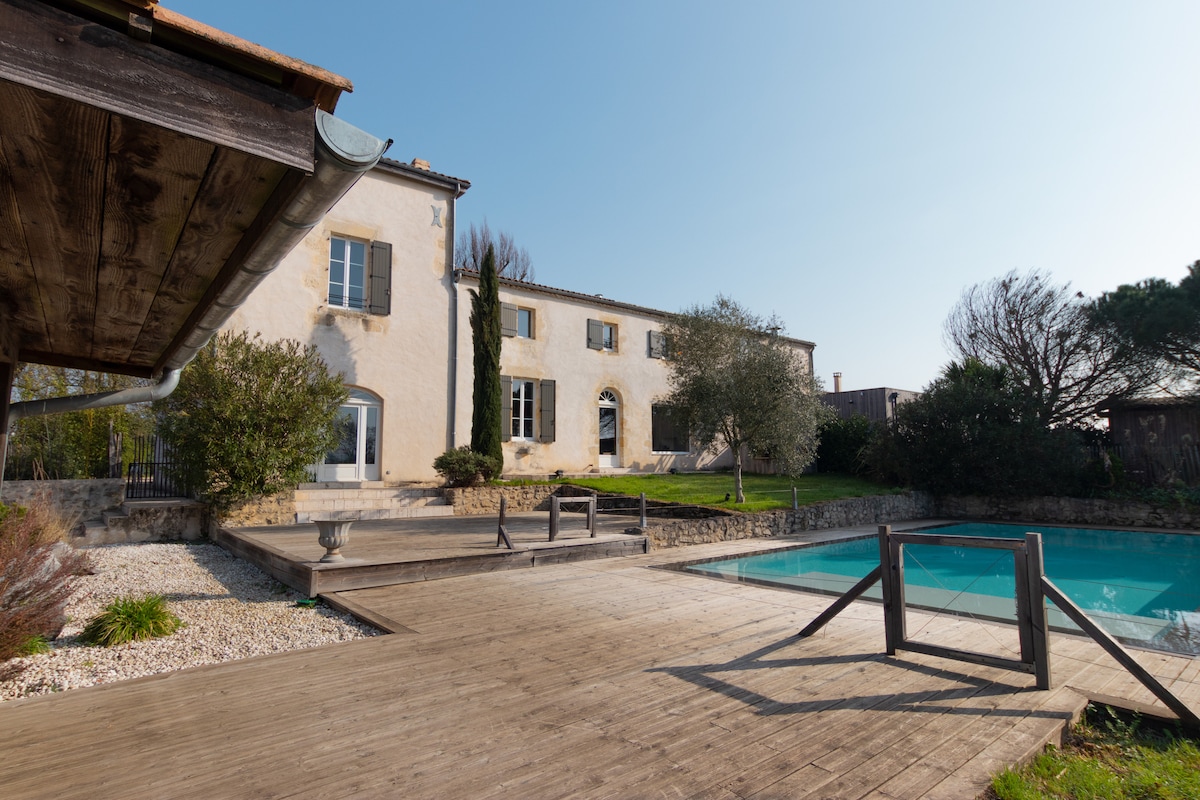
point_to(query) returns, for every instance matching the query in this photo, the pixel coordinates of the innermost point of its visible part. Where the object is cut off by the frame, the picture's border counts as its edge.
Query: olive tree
(1041, 333)
(741, 386)
(249, 417)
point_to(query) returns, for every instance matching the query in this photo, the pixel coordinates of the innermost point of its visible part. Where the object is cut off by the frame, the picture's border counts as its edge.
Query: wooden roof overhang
(152, 170)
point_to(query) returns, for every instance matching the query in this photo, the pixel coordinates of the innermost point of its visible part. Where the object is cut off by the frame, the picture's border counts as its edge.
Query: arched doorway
(610, 419)
(356, 456)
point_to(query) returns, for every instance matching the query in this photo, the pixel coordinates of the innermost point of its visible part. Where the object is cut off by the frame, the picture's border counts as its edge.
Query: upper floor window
(516, 321)
(360, 275)
(601, 335)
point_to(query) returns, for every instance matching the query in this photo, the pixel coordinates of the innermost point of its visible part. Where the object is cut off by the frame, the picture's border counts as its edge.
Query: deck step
(369, 501)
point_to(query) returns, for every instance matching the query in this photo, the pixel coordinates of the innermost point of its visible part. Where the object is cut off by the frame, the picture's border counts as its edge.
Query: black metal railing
(152, 471)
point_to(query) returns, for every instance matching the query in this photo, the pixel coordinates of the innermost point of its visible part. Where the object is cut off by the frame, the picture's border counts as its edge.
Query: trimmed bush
(130, 618)
(36, 568)
(465, 467)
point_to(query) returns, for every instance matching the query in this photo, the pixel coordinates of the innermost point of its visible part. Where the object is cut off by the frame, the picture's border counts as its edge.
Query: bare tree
(1042, 333)
(511, 261)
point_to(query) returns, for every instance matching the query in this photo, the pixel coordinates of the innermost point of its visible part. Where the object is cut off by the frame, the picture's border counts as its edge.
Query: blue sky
(851, 167)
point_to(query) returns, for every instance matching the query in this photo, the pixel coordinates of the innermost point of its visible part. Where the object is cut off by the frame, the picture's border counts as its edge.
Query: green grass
(763, 492)
(33, 646)
(1109, 755)
(130, 618)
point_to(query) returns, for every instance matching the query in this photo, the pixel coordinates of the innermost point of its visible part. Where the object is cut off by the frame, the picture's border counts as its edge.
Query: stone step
(409, 512)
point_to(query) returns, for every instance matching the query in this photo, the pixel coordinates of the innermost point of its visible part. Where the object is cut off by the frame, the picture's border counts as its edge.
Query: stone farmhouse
(374, 288)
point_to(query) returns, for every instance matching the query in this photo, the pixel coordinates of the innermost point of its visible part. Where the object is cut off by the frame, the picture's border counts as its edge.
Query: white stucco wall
(558, 351)
(403, 357)
(418, 358)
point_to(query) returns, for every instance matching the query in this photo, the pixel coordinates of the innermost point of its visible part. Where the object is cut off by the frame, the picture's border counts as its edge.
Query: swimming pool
(1143, 588)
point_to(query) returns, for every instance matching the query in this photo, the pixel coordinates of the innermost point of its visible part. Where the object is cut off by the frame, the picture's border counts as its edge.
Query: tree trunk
(739, 495)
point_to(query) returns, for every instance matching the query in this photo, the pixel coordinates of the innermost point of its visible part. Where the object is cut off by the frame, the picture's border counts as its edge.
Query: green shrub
(130, 618)
(249, 417)
(843, 443)
(465, 467)
(36, 571)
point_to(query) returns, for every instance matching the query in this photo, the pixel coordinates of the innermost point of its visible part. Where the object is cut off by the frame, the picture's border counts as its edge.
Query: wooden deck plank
(593, 679)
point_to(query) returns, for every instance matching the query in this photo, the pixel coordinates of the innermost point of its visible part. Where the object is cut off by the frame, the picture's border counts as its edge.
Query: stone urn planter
(333, 535)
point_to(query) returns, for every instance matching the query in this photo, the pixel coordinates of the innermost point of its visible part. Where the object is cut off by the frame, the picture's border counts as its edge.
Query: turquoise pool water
(1143, 588)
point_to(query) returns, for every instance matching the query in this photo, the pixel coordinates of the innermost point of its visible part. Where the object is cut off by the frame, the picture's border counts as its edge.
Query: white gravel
(230, 608)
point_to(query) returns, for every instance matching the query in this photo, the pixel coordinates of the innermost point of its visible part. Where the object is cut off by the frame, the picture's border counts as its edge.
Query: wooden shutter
(595, 334)
(546, 411)
(657, 344)
(508, 319)
(380, 288)
(505, 408)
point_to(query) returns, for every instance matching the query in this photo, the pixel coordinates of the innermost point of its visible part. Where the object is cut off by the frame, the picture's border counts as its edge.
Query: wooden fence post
(555, 502)
(502, 532)
(591, 516)
(642, 513)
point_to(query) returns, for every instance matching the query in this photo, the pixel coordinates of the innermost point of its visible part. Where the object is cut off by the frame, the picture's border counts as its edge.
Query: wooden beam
(236, 204)
(95, 66)
(1114, 649)
(152, 181)
(840, 604)
(55, 153)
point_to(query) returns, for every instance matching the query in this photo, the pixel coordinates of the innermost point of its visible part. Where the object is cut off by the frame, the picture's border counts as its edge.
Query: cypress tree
(486, 417)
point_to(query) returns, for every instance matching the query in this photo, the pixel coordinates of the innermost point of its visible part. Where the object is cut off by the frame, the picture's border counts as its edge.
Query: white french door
(356, 456)
(609, 427)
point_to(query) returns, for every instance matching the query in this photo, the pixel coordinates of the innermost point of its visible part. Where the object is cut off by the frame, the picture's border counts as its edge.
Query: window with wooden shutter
(508, 319)
(546, 411)
(505, 408)
(595, 334)
(380, 293)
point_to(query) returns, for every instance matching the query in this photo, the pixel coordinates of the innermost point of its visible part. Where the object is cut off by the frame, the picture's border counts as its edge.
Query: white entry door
(356, 456)
(609, 426)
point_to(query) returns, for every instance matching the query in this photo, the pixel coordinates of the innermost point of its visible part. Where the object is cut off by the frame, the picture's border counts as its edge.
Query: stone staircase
(144, 521)
(369, 500)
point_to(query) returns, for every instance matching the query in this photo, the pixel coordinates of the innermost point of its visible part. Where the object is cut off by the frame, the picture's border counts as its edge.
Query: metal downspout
(453, 443)
(83, 402)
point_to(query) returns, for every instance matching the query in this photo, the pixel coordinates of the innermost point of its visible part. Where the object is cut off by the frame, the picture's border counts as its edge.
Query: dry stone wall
(1089, 513)
(879, 509)
(486, 499)
(279, 509)
(78, 500)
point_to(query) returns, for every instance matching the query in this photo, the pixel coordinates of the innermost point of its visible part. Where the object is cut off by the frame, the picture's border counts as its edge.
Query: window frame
(345, 299)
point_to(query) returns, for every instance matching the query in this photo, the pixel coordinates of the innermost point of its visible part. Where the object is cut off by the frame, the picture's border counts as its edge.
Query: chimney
(837, 381)
(421, 163)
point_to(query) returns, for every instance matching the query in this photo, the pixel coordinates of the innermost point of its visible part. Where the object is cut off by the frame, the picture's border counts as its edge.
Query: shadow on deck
(389, 552)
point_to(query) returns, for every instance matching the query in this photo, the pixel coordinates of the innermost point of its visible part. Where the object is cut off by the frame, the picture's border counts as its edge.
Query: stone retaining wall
(77, 500)
(1088, 513)
(486, 499)
(879, 509)
(279, 509)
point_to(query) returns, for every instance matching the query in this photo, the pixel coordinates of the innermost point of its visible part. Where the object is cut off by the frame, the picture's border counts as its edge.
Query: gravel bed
(230, 609)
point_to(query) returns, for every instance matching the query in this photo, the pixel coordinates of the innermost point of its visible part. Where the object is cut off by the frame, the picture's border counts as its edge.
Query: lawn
(763, 492)
(1109, 755)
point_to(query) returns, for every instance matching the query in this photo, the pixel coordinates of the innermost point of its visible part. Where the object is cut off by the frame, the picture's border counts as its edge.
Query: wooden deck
(596, 679)
(389, 552)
